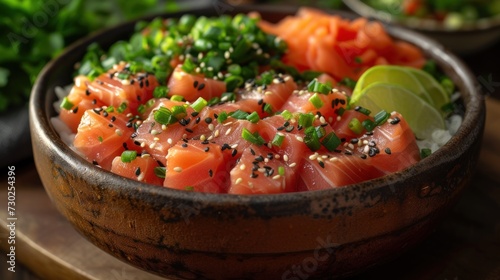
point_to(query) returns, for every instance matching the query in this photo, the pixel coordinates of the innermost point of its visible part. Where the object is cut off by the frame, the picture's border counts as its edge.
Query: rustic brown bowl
(328, 233)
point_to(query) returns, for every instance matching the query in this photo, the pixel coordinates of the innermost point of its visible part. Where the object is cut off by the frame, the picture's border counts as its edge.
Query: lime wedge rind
(421, 116)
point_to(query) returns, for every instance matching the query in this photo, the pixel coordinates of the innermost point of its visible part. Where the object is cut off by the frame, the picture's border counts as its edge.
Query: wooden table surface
(465, 246)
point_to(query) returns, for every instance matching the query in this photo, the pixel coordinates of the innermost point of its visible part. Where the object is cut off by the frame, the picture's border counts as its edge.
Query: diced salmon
(102, 136)
(192, 86)
(197, 166)
(140, 169)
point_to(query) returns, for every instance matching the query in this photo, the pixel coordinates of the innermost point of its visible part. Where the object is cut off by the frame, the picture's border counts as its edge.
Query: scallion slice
(160, 91)
(306, 119)
(253, 138)
(238, 114)
(222, 117)
(176, 97)
(199, 104)
(316, 101)
(331, 141)
(362, 110)
(425, 152)
(369, 125)
(160, 171)
(278, 139)
(355, 126)
(128, 156)
(381, 117)
(253, 117)
(66, 104)
(287, 115)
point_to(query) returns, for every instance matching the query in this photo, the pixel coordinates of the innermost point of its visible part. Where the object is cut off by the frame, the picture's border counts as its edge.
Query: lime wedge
(433, 88)
(420, 115)
(416, 81)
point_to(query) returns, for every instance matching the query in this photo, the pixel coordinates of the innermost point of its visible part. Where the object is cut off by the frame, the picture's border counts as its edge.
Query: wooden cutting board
(466, 246)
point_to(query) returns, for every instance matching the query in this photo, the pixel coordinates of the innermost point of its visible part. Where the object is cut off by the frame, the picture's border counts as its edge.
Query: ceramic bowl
(468, 39)
(328, 233)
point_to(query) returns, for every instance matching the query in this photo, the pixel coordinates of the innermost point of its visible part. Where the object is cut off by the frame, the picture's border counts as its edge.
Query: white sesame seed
(228, 123)
(203, 137)
(125, 82)
(238, 181)
(293, 164)
(261, 170)
(152, 145)
(299, 138)
(339, 118)
(276, 177)
(313, 156)
(366, 149)
(324, 156)
(322, 119)
(285, 157)
(210, 138)
(210, 68)
(156, 139)
(197, 70)
(145, 155)
(227, 54)
(351, 146)
(243, 166)
(216, 133)
(154, 132)
(266, 160)
(202, 65)
(268, 92)
(163, 127)
(211, 127)
(255, 45)
(269, 145)
(129, 115)
(141, 176)
(365, 142)
(250, 184)
(234, 146)
(178, 169)
(119, 132)
(169, 141)
(333, 159)
(287, 78)
(228, 132)
(143, 144)
(277, 156)
(259, 51)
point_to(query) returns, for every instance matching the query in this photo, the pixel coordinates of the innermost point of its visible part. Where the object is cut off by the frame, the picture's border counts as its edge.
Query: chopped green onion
(306, 119)
(199, 104)
(176, 97)
(179, 111)
(425, 152)
(448, 86)
(348, 82)
(222, 117)
(233, 82)
(123, 76)
(320, 131)
(331, 141)
(317, 87)
(160, 91)
(189, 188)
(253, 117)
(362, 110)
(340, 111)
(128, 156)
(268, 108)
(163, 116)
(281, 170)
(213, 101)
(110, 109)
(66, 104)
(254, 138)
(228, 96)
(141, 109)
(381, 117)
(369, 125)
(100, 139)
(234, 69)
(160, 171)
(278, 139)
(316, 101)
(238, 114)
(123, 106)
(355, 126)
(311, 139)
(188, 66)
(287, 115)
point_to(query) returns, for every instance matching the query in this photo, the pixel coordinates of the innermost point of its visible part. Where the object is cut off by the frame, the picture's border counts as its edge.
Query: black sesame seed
(197, 120)
(206, 149)
(137, 143)
(201, 86)
(94, 162)
(110, 124)
(342, 101)
(133, 135)
(94, 101)
(194, 114)
(105, 113)
(234, 153)
(395, 120)
(184, 145)
(354, 141)
(252, 151)
(195, 84)
(289, 128)
(87, 92)
(270, 156)
(225, 146)
(259, 159)
(138, 171)
(75, 110)
(388, 151)
(260, 101)
(113, 118)
(372, 152)
(322, 164)
(210, 173)
(147, 83)
(363, 156)
(189, 130)
(280, 128)
(372, 143)
(208, 120)
(125, 146)
(254, 175)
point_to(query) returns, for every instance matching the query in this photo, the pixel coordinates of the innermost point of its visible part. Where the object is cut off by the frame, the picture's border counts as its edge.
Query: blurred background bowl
(469, 38)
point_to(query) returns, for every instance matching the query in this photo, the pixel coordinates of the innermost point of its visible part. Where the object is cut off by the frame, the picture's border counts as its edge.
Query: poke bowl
(185, 234)
(460, 36)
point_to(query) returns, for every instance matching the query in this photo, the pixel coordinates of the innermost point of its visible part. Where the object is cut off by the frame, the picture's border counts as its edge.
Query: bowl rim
(427, 25)
(40, 114)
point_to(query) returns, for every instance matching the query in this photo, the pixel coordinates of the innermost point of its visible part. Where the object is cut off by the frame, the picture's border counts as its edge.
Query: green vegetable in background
(35, 31)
